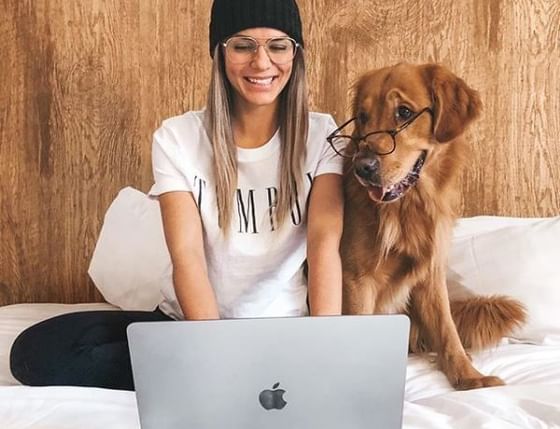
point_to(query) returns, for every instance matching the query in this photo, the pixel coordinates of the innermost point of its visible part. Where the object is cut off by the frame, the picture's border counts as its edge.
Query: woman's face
(259, 81)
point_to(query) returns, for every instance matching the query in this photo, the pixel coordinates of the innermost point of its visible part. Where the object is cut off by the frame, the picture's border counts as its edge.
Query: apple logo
(272, 399)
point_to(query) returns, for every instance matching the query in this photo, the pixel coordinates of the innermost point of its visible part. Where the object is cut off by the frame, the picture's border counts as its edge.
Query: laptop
(340, 372)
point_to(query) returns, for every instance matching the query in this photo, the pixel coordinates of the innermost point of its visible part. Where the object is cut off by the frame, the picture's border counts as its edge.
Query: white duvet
(530, 400)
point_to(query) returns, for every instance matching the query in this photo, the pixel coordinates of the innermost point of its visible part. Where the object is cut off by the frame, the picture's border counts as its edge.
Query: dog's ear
(357, 89)
(456, 105)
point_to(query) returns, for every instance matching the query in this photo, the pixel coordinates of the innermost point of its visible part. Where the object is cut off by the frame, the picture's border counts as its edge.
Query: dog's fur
(394, 254)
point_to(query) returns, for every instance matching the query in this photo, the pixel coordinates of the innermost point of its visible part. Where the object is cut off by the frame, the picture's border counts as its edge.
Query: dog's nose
(368, 169)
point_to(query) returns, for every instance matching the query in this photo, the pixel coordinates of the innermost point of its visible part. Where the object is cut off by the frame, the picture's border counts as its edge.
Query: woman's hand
(324, 229)
(183, 233)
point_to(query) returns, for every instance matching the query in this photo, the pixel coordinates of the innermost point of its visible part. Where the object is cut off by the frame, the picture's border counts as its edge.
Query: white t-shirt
(258, 271)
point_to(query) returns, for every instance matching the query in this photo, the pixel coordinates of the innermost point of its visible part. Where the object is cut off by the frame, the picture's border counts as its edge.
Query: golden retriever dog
(404, 160)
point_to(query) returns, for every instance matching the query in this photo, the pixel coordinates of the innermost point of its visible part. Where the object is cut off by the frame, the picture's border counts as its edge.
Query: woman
(248, 190)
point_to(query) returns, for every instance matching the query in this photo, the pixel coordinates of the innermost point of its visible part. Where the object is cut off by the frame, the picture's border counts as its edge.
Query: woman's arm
(183, 233)
(324, 229)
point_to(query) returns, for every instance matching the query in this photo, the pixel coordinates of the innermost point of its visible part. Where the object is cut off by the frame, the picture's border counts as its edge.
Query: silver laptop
(340, 372)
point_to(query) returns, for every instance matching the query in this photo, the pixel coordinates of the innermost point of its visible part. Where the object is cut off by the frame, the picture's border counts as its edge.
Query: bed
(531, 399)
(489, 255)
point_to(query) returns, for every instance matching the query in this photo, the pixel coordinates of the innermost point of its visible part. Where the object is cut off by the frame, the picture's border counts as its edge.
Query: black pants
(78, 349)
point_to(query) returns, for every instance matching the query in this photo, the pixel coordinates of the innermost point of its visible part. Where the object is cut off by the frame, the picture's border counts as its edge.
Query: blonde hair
(293, 120)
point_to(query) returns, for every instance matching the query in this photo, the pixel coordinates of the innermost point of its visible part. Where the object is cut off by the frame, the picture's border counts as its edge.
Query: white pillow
(521, 261)
(131, 261)
(469, 226)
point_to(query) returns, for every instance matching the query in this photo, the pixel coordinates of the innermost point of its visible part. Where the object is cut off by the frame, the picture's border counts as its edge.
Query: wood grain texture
(83, 85)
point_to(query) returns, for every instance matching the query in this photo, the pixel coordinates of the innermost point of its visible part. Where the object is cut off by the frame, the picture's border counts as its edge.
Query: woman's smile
(261, 83)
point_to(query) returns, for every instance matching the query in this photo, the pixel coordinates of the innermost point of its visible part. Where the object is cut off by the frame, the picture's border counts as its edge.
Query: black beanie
(231, 16)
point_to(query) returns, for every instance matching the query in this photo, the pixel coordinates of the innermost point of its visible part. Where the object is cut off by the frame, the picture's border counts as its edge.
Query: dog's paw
(477, 383)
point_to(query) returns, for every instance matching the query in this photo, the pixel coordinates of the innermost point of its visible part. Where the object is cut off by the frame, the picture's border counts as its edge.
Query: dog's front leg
(430, 305)
(358, 295)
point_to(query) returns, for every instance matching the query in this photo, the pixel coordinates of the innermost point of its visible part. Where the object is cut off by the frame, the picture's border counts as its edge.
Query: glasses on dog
(385, 141)
(242, 49)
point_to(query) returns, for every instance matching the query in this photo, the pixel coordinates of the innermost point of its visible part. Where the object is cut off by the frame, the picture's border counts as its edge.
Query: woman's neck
(254, 126)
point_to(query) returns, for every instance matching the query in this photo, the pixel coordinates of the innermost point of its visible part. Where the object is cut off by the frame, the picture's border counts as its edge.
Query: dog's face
(422, 108)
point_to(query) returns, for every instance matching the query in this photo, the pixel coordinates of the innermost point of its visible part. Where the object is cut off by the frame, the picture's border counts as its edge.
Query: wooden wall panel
(83, 85)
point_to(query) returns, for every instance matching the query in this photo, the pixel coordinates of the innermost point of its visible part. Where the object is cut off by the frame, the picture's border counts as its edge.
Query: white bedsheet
(530, 400)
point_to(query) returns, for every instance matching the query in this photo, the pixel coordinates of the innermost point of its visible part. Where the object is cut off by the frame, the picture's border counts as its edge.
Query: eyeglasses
(346, 146)
(242, 49)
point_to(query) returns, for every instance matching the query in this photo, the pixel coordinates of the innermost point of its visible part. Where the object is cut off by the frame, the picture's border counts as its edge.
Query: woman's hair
(293, 120)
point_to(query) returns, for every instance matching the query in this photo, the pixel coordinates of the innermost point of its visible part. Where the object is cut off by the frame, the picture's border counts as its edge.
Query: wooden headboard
(84, 85)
